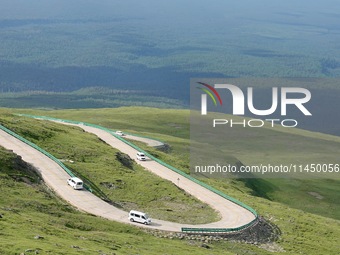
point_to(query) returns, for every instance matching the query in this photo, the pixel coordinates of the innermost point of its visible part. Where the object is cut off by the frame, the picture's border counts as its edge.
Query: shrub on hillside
(124, 159)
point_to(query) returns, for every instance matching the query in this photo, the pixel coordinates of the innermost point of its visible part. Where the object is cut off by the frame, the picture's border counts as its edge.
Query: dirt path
(55, 177)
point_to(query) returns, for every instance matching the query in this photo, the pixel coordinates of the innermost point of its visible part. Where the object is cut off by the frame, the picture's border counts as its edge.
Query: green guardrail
(68, 171)
(218, 230)
(196, 230)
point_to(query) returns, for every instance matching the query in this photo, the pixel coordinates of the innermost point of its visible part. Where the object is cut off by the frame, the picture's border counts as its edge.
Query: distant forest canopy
(157, 46)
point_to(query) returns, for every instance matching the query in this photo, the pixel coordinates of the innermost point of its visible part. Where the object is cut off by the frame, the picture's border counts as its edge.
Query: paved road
(148, 141)
(55, 177)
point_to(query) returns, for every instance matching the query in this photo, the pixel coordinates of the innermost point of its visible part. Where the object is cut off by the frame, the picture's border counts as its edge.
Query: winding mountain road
(232, 215)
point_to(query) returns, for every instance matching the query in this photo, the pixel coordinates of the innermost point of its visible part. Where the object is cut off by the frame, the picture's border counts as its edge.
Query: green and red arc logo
(211, 91)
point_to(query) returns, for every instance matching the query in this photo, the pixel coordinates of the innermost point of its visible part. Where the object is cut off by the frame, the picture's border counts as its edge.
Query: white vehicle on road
(141, 156)
(75, 183)
(118, 132)
(135, 216)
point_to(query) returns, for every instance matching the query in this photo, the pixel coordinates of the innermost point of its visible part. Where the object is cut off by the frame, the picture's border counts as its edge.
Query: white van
(75, 183)
(141, 156)
(139, 217)
(120, 133)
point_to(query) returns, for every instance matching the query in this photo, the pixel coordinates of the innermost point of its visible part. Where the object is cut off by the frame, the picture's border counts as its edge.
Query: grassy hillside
(308, 229)
(172, 127)
(29, 209)
(130, 188)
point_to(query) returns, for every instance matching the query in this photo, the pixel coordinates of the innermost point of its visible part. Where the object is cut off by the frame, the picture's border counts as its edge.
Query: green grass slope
(29, 209)
(96, 161)
(309, 225)
(267, 145)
